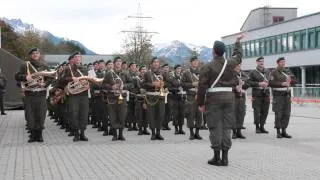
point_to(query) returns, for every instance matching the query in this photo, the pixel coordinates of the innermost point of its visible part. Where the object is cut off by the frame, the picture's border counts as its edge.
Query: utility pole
(139, 31)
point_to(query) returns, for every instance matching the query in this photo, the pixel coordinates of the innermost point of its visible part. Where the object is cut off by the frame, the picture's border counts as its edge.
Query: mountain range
(175, 52)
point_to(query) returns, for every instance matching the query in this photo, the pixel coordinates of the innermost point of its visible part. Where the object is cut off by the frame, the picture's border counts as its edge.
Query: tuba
(77, 87)
(35, 79)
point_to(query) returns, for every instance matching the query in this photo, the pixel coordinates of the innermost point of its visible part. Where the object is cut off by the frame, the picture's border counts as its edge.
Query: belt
(118, 91)
(153, 93)
(261, 88)
(281, 89)
(140, 95)
(182, 92)
(36, 89)
(220, 89)
(193, 89)
(96, 91)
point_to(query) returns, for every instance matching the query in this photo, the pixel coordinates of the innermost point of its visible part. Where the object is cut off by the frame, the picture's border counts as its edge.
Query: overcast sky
(98, 23)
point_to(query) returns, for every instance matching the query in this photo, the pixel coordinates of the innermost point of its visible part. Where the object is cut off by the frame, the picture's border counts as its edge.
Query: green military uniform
(194, 116)
(240, 104)
(140, 112)
(260, 98)
(281, 99)
(169, 113)
(155, 103)
(117, 109)
(98, 105)
(131, 118)
(35, 97)
(177, 100)
(219, 100)
(78, 104)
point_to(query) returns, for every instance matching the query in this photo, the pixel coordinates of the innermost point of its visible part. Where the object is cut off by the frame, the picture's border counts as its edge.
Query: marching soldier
(240, 102)
(78, 95)
(155, 98)
(117, 83)
(258, 80)
(3, 84)
(215, 96)
(190, 79)
(131, 118)
(281, 81)
(140, 111)
(35, 84)
(177, 99)
(92, 111)
(168, 116)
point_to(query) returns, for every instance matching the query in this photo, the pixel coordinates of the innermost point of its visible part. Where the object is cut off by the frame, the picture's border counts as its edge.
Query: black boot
(120, 137)
(111, 132)
(140, 132)
(135, 128)
(158, 135)
(176, 130)
(106, 132)
(181, 130)
(72, 132)
(32, 137)
(279, 135)
(224, 161)
(83, 136)
(234, 134)
(130, 127)
(191, 137)
(258, 130)
(76, 135)
(153, 134)
(145, 131)
(166, 128)
(197, 135)
(263, 130)
(114, 135)
(239, 134)
(285, 134)
(216, 160)
(40, 138)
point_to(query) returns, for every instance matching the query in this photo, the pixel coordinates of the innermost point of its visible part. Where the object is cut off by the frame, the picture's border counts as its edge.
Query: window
(252, 48)
(303, 40)
(248, 49)
(318, 37)
(273, 45)
(311, 38)
(267, 43)
(290, 41)
(296, 41)
(262, 49)
(284, 43)
(279, 44)
(243, 45)
(257, 48)
(277, 19)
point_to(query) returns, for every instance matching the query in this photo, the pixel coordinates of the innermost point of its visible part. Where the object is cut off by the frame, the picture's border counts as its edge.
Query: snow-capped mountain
(178, 52)
(21, 27)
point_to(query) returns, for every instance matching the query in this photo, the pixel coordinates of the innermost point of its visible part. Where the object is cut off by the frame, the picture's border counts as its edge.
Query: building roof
(259, 9)
(290, 20)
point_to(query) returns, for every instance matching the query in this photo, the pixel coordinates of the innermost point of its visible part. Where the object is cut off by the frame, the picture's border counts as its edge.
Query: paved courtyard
(257, 157)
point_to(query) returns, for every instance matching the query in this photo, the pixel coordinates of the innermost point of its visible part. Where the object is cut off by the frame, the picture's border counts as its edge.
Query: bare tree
(137, 47)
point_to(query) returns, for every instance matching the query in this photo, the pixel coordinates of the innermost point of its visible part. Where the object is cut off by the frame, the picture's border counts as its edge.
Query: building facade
(297, 39)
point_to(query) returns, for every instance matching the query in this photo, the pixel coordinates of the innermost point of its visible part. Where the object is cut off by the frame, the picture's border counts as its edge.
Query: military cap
(63, 63)
(142, 66)
(101, 60)
(193, 58)
(132, 63)
(33, 50)
(154, 59)
(280, 59)
(95, 62)
(90, 64)
(73, 55)
(108, 62)
(165, 65)
(177, 66)
(116, 59)
(260, 58)
(219, 48)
